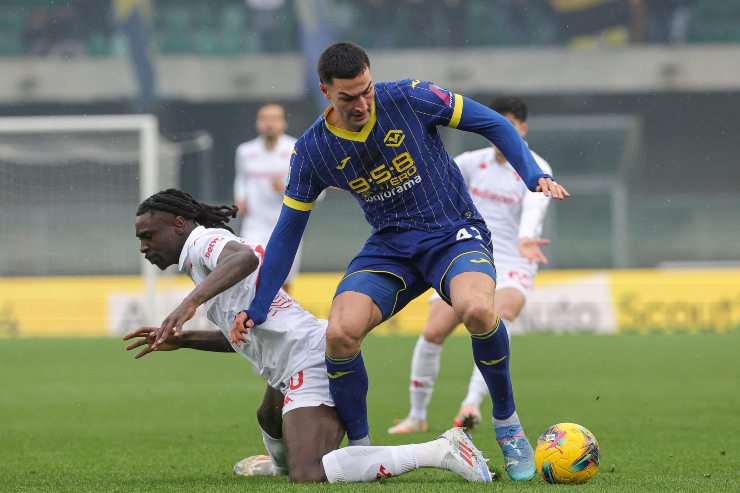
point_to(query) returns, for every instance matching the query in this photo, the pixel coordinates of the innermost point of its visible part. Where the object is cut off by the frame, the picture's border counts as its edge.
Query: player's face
(271, 122)
(352, 99)
(160, 237)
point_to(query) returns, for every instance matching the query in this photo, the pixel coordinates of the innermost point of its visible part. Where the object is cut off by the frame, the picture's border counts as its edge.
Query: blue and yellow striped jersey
(395, 166)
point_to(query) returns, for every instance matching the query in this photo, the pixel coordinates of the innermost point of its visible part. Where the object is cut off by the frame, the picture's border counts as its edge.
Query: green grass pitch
(82, 415)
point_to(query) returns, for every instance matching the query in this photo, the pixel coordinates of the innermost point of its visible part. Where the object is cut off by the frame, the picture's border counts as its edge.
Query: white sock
(276, 451)
(365, 464)
(424, 371)
(513, 419)
(477, 389)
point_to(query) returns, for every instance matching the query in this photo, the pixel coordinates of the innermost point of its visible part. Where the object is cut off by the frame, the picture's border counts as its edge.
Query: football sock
(276, 451)
(348, 386)
(477, 387)
(364, 464)
(424, 371)
(477, 390)
(511, 420)
(491, 353)
(361, 441)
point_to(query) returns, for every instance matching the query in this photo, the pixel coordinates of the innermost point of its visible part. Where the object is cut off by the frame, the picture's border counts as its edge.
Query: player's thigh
(441, 322)
(509, 303)
(354, 313)
(309, 433)
(371, 292)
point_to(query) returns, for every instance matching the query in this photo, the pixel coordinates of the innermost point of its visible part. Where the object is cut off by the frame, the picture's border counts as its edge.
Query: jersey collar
(360, 136)
(192, 238)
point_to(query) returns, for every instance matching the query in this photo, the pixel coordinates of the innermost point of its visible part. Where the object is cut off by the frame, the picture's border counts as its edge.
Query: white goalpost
(69, 182)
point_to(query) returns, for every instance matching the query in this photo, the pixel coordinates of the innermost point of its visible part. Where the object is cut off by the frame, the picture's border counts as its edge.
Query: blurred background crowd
(235, 27)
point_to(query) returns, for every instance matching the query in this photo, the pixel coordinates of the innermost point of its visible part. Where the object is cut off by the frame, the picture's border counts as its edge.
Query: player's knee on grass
(307, 472)
(309, 434)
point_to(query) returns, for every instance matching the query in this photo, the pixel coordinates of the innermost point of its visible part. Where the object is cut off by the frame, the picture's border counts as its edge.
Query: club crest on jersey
(394, 138)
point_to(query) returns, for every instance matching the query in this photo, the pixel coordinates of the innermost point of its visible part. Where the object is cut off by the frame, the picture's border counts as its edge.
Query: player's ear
(524, 129)
(179, 224)
(324, 90)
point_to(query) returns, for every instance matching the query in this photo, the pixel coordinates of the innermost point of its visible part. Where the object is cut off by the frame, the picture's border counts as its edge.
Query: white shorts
(307, 388)
(518, 274)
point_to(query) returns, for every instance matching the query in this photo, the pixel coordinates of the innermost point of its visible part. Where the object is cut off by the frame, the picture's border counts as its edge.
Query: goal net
(69, 189)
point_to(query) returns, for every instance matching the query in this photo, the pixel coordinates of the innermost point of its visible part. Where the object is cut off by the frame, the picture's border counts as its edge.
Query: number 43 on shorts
(464, 234)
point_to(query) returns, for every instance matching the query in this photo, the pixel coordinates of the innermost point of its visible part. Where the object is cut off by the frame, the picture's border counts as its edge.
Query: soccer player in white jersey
(262, 165)
(287, 349)
(516, 215)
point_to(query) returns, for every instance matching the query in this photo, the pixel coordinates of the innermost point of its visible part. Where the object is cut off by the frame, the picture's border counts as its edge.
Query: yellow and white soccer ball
(567, 453)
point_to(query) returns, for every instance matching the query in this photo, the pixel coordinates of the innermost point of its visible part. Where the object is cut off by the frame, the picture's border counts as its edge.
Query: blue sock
(491, 353)
(348, 386)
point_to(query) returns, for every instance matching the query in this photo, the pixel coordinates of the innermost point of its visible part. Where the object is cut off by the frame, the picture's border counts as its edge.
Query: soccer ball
(567, 453)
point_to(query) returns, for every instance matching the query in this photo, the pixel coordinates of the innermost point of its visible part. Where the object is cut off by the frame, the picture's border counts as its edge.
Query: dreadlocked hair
(183, 204)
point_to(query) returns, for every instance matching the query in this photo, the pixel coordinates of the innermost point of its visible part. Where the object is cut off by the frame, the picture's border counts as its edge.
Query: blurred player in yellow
(287, 349)
(516, 215)
(262, 165)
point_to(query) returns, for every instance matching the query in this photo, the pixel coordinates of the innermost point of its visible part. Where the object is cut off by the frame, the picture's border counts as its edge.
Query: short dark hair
(342, 60)
(510, 104)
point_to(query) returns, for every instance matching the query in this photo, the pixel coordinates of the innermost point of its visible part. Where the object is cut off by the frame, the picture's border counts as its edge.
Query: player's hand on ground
(145, 336)
(552, 189)
(242, 324)
(174, 322)
(530, 248)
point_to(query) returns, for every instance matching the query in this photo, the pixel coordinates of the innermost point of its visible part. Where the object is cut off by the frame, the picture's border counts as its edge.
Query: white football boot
(258, 465)
(463, 457)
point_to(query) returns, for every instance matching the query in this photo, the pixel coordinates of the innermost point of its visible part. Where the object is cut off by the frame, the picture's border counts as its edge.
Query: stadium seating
(229, 28)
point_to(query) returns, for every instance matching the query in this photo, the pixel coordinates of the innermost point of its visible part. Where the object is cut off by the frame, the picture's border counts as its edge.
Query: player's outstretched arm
(204, 340)
(234, 263)
(279, 256)
(482, 120)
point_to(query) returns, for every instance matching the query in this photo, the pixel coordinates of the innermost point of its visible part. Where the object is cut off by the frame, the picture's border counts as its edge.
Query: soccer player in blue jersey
(380, 142)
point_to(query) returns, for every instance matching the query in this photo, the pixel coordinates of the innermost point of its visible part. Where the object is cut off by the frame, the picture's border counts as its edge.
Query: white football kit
(288, 348)
(257, 168)
(510, 210)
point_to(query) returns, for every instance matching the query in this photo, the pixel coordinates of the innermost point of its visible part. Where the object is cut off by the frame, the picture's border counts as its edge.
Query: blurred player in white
(262, 165)
(287, 350)
(515, 216)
